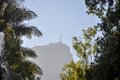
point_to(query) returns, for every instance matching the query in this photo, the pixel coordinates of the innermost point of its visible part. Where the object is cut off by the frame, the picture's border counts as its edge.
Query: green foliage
(73, 71)
(15, 60)
(14, 56)
(107, 64)
(15, 15)
(86, 47)
(107, 59)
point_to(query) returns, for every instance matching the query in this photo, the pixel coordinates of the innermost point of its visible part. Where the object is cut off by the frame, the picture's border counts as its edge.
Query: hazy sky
(58, 17)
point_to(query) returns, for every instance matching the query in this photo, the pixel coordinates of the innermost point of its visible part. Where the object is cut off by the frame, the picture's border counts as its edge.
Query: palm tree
(12, 24)
(15, 17)
(15, 60)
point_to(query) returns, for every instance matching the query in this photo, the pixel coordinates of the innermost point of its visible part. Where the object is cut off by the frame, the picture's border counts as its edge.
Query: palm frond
(35, 31)
(17, 2)
(28, 31)
(26, 52)
(39, 69)
(22, 14)
(28, 14)
(32, 67)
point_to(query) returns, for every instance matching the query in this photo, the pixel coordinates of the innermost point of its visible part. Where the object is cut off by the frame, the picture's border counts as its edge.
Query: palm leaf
(32, 67)
(39, 69)
(26, 52)
(28, 31)
(22, 14)
(17, 2)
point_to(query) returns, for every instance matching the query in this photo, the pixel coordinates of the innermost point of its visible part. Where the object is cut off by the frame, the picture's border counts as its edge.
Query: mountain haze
(51, 59)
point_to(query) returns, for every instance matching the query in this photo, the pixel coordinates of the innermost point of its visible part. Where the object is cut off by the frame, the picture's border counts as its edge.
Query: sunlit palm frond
(27, 70)
(31, 68)
(28, 31)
